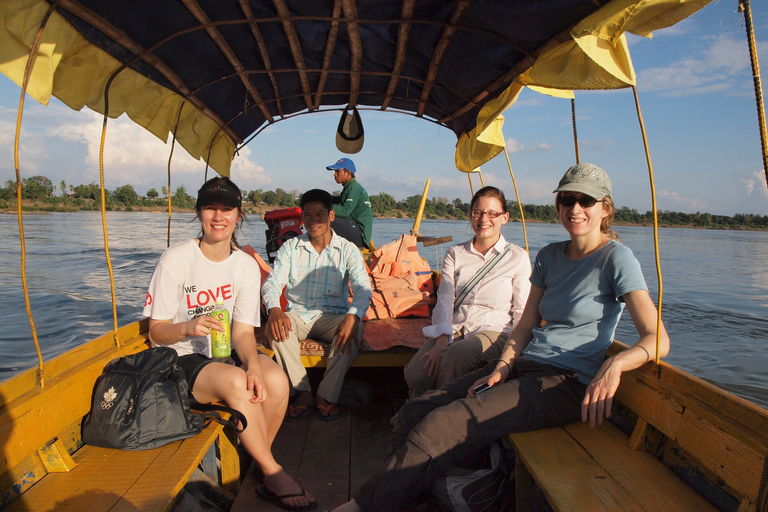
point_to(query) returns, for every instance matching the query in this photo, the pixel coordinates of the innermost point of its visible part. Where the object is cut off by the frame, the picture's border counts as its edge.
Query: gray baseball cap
(588, 179)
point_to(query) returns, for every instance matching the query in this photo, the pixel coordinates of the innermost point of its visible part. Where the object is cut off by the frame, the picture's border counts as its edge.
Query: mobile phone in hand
(481, 387)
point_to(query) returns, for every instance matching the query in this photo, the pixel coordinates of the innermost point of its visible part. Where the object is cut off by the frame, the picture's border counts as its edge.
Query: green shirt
(354, 204)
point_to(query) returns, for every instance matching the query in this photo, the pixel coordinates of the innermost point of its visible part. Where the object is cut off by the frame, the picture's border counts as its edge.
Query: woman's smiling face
(577, 219)
(483, 225)
(219, 221)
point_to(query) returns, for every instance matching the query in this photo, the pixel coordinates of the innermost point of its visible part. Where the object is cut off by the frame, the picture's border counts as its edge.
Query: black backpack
(141, 402)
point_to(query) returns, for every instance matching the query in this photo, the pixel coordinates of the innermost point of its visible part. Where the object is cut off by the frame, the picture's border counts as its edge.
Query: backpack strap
(478, 276)
(212, 414)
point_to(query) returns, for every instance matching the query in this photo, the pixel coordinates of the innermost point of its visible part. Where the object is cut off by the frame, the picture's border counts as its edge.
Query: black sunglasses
(584, 201)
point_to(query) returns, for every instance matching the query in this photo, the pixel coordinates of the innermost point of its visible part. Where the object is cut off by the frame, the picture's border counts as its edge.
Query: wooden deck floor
(332, 459)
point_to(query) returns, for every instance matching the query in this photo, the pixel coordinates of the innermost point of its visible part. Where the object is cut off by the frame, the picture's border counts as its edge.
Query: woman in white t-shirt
(188, 279)
(475, 331)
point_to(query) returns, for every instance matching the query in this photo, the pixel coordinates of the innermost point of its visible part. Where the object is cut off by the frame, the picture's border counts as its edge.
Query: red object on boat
(282, 225)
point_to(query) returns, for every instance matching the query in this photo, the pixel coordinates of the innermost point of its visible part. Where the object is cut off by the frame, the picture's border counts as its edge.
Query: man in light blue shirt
(316, 269)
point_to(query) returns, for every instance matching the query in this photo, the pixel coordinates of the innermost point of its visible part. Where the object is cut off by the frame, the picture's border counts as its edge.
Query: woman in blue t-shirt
(548, 375)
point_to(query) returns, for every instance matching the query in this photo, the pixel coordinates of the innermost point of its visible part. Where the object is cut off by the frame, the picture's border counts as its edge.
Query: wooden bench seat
(580, 468)
(117, 480)
(32, 418)
(390, 342)
(674, 442)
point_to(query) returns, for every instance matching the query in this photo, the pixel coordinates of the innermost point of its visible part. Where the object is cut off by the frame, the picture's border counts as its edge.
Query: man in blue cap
(354, 216)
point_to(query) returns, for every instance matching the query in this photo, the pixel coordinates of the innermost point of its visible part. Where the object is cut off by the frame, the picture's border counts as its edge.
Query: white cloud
(247, 173)
(717, 69)
(678, 201)
(595, 145)
(755, 183)
(514, 146)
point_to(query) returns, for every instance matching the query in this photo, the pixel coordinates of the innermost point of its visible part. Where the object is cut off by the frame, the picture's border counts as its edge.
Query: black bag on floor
(141, 402)
(487, 488)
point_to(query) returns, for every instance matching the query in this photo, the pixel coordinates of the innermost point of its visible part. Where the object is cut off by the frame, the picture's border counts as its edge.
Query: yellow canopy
(75, 71)
(597, 57)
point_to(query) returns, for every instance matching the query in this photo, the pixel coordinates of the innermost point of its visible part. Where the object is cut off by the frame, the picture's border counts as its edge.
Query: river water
(714, 299)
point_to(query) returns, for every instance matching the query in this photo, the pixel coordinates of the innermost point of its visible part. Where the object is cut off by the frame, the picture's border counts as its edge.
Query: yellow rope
(573, 122)
(27, 72)
(747, 10)
(519, 204)
(655, 222)
(173, 144)
(104, 215)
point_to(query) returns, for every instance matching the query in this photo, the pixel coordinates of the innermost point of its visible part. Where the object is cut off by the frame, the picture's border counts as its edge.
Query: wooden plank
(119, 481)
(29, 422)
(696, 393)
(230, 460)
(569, 478)
(523, 487)
(735, 460)
(288, 449)
(646, 479)
(369, 443)
(324, 467)
(365, 359)
(290, 442)
(26, 381)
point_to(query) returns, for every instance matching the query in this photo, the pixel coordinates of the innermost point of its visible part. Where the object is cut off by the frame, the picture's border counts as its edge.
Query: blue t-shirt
(581, 305)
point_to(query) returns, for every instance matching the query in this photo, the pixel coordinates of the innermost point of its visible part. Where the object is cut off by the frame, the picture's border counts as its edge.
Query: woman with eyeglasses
(548, 375)
(473, 329)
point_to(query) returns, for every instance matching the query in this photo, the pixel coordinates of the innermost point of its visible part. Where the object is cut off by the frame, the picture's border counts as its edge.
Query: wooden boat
(183, 68)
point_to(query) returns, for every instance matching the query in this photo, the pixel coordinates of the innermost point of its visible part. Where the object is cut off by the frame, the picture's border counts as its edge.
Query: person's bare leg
(228, 383)
(350, 506)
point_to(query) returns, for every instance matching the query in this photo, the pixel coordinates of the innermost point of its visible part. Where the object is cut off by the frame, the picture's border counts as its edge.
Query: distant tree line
(63, 197)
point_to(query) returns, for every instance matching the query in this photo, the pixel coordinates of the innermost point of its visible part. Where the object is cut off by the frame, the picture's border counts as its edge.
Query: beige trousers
(288, 356)
(457, 359)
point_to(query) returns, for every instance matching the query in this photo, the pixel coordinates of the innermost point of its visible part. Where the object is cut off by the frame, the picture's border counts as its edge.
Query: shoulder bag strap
(478, 276)
(212, 414)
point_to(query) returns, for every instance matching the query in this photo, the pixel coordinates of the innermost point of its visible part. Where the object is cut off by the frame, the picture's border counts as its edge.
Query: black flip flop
(276, 500)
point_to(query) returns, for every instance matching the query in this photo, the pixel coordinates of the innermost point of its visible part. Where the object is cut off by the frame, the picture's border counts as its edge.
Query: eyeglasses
(584, 201)
(490, 213)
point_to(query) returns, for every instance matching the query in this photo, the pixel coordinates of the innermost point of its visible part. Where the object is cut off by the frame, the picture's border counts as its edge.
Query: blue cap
(343, 163)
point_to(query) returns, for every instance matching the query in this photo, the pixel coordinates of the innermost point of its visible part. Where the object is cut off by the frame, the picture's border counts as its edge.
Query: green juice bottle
(221, 342)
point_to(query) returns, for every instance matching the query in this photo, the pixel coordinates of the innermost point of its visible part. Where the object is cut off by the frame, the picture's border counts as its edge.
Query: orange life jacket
(401, 281)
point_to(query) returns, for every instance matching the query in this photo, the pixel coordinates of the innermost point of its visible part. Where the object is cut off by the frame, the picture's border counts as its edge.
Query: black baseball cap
(219, 190)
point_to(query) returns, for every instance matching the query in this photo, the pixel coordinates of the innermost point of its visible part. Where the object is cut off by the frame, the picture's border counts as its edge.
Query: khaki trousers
(457, 359)
(287, 354)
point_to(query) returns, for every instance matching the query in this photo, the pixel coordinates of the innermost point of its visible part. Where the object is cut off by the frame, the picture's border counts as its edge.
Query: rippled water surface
(715, 284)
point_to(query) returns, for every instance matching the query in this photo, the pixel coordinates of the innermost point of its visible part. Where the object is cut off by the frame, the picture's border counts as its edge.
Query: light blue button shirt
(318, 283)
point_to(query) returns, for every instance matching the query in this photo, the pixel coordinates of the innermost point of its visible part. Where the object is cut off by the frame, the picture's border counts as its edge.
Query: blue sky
(696, 95)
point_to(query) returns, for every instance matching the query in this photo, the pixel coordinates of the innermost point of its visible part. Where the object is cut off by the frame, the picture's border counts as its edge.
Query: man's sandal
(328, 416)
(296, 412)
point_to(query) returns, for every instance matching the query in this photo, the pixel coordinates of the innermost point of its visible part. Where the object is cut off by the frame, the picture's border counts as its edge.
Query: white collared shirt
(496, 303)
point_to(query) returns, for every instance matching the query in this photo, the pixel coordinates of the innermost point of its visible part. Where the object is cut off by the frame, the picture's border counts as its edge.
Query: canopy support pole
(517, 197)
(747, 10)
(417, 220)
(471, 188)
(655, 225)
(103, 205)
(173, 144)
(575, 137)
(25, 83)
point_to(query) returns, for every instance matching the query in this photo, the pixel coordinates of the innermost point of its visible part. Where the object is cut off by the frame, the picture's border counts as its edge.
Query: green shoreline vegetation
(39, 194)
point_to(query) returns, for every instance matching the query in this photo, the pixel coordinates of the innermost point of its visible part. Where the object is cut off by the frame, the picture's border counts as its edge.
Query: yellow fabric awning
(75, 71)
(597, 57)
